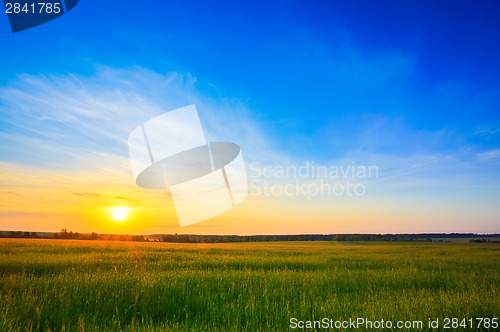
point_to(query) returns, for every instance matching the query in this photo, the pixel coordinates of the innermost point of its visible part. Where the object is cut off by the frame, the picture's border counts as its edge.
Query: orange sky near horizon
(36, 199)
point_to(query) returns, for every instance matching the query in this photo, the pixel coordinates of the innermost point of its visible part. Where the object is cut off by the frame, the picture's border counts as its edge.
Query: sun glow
(119, 213)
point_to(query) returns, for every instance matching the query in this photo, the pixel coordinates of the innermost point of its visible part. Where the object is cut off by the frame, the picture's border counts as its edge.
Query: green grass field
(124, 286)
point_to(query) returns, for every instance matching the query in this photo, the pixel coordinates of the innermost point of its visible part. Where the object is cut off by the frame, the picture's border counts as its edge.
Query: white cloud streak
(61, 121)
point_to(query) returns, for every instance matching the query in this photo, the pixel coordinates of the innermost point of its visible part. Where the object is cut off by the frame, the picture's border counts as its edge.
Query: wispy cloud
(121, 198)
(87, 195)
(62, 121)
(96, 195)
(491, 155)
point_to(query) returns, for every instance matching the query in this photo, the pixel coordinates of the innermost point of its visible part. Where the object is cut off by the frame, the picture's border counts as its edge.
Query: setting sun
(120, 212)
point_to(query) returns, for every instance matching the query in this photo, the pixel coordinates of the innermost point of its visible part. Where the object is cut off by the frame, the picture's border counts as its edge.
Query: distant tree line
(192, 238)
(64, 234)
(69, 235)
(19, 234)
(185, 238)
(484, 241)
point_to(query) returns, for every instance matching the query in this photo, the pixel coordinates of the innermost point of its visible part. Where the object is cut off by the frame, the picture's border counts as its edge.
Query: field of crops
(125, 286)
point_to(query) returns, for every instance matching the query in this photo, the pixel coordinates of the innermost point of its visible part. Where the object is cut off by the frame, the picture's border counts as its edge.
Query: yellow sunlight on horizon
(119, 213)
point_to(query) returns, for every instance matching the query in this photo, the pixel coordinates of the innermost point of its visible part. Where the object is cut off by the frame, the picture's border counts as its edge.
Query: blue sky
(306, 67)
(412, 86)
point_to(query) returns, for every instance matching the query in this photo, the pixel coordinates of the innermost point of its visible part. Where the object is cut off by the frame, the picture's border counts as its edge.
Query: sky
(408, 87)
